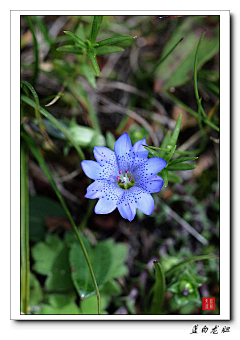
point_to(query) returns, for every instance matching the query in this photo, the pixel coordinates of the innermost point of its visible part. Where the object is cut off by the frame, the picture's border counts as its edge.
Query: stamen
(118, 178)
(120, 171)
(130, 178)
(122, 182)
(127, 172)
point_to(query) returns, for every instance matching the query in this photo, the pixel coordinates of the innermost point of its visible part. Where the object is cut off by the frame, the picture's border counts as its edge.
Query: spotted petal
(152, 185)
(122, 149)
(101, 153)
(105, 205)
(127, 205)
(95, 170)
(148, 169)
(138, 153)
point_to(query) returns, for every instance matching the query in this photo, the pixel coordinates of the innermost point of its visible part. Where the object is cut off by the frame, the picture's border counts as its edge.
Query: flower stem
(25, 266)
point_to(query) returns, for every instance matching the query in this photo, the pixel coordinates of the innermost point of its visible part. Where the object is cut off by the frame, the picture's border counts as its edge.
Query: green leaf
(77, 40)
(70, 49)
(35, 291)
(181, 167)
(164, 174)
(170, 154)
(182, 159)
(89, 305)
(97, 20)
(159, 289)
(177, 69)
(174, 178)
(51, 259)
(70, 308)
(176, 131)
(108, 50)
(94, 63)
(111, 287)
(151, 151)
(165, 144)
(39, 208)
(101, 263)
(88, 73)
(107, 259)
(115, 40)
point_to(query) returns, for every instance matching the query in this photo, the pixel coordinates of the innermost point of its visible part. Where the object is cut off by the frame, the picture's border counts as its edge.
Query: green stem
(25, 264)
(192, 259)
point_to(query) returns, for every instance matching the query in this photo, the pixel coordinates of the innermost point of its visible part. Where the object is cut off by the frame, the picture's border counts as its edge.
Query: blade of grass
(35, 48)
(164, 58)
(201, 111)
(25, 262)
(55, 122)
(159, 289)
(37, 154)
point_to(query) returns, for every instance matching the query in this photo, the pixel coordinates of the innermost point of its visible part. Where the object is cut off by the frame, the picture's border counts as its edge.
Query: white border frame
(224, 169)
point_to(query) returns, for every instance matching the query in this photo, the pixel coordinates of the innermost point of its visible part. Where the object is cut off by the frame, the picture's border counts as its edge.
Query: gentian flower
(124, 178)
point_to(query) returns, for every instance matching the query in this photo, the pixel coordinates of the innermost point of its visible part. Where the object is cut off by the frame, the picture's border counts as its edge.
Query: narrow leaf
(176, 131)
(115, 40)
(159, 289)
(77, 40)
(164, 174)
(94, 63)
(165, 143)
(174, 178)
(182, 159)
(181, 167)
(88, 72)
(108, 50)
(95, 27)
(70, 49)
(170, 154)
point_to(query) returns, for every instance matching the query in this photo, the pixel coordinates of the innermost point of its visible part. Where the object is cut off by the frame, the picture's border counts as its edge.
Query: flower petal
(101, 153)
(105, 205)
(138, 152)
(148, 169)
(145, 203)
(91, 169)
(103, 188)
(127, 206)
(95, 170)
(94, 190)
(122, 149)
(152, 185)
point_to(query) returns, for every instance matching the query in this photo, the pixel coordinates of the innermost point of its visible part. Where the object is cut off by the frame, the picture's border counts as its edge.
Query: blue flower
(124, 178)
